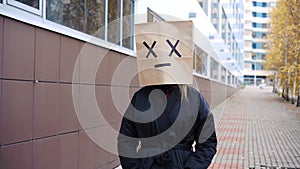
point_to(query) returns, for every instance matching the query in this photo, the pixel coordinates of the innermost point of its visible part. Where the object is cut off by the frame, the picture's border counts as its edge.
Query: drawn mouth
(162, 65)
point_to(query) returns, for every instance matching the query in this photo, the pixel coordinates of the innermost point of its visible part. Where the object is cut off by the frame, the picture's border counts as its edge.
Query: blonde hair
(183, 91)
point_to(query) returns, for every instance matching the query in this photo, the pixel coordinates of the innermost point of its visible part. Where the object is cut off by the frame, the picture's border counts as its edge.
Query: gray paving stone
(271, 131)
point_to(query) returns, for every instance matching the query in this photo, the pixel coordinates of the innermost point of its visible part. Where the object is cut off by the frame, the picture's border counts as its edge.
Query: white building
(256, 32)
(219, 38)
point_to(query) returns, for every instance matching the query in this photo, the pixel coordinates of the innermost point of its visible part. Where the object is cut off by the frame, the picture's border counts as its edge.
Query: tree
(284, 41)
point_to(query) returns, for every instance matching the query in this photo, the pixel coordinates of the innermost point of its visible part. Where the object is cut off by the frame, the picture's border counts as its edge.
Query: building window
(254, 25)
(254, 45)
(253, 56)
(257, 66)
(127, 40)
(254, 14)
(265, 46)
(224, 21)
(214, 69)
(113, 28)
(112, 22)
(200, 61)
(223, 74)
(253, 66)
(32, 3)
(86, 16)
(264, 4)
(34, 6)
(264, 15)
(215, 13)
(254, 3)
(204, 5)
(228, 78)
(192, 15)
(229, 32)
(153, 17)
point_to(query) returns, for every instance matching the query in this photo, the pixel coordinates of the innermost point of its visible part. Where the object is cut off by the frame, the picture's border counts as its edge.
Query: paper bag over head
(164, 52)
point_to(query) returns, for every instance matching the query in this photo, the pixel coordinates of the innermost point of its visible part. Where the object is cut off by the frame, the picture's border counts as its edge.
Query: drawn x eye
(173, 48)
(150, 49)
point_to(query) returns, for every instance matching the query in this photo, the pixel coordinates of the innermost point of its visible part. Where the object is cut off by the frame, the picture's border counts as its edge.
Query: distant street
(257, 129)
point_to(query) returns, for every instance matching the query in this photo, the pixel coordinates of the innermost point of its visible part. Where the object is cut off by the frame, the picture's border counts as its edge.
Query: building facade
(227, 18)
(256, 45)
(56, 55)
(218, 40)
(49, 51)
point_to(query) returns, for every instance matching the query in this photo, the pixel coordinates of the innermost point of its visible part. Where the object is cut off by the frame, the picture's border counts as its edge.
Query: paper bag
(164, 52)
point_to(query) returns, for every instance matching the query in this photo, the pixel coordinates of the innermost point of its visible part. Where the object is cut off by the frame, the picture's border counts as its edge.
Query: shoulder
(194, 92)
(192, 89)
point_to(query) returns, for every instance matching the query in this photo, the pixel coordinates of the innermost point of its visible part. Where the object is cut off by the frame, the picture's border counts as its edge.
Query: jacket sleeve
(128, 142)
(206, 140)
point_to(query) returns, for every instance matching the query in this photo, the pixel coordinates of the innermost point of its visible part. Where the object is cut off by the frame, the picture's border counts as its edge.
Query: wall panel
(46, 122)
(1, 44)
(68, 120)
(68, 151)
(107, 67)
(18, 48)
(86, 152)
(16, 156)
(46, 153)
(69, 52)
(47, 56)
(17, 111)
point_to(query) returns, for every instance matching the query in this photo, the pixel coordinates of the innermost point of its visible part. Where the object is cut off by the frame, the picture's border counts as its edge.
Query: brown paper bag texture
(164, 52)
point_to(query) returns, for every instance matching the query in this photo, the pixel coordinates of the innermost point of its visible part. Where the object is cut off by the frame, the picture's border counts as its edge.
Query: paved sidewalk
(257, 129)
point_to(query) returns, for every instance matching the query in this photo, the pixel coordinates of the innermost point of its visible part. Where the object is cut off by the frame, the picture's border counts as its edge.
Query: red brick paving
(239, 130)
(225, 165)
(230, 150)
(230, 139)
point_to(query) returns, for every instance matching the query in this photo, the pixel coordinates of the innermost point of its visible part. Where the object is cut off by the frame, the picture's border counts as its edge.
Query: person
(168, 124)
(182, 136)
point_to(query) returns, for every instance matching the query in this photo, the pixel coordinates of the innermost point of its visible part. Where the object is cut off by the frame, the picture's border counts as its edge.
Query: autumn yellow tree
(284, 41)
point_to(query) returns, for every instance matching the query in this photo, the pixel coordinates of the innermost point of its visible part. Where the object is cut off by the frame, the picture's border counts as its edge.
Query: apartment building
(256, 45)
(59, 65)
(218, 59)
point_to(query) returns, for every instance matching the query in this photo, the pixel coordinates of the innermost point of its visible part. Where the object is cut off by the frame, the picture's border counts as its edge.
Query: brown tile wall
(1, 44)
(18, 50)
(214, 92)
(39, 127)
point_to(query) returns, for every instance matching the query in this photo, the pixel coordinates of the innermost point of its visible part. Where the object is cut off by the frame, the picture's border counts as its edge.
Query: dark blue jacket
(159, 129)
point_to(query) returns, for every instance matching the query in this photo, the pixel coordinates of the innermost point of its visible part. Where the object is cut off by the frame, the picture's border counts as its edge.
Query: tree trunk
(288, 71)
(295, 81)
(298, 100)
